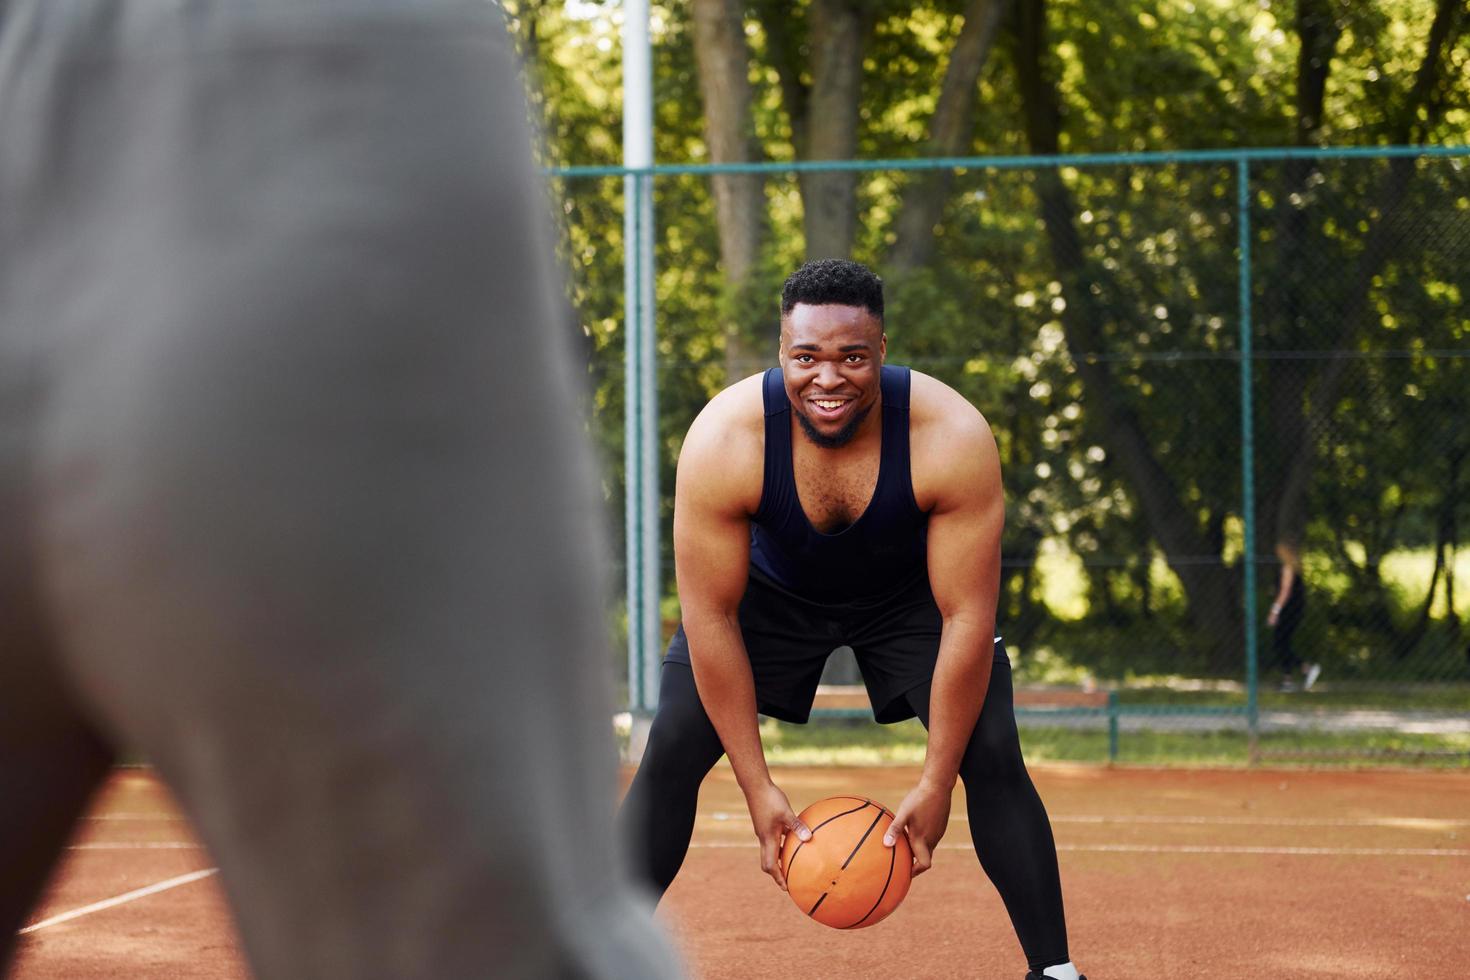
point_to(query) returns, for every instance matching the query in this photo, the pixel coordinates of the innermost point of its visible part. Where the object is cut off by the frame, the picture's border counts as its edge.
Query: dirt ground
(1226, 874)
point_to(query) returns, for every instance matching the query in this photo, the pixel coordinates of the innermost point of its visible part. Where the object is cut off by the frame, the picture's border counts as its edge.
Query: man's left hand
(924, 814)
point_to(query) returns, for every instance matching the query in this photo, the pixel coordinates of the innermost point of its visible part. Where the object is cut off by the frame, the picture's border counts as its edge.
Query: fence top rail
(1238, 156)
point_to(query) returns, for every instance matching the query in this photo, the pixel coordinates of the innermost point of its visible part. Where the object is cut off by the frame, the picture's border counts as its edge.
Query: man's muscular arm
(962, 484)
(712, 507)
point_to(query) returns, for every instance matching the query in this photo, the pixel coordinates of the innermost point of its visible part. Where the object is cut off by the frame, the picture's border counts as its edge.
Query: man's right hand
(773, 819)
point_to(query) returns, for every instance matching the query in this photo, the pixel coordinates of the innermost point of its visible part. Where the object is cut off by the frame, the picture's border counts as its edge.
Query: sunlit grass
(1063, 580)
(1404, 697)
(1410, 572)
(858, 743)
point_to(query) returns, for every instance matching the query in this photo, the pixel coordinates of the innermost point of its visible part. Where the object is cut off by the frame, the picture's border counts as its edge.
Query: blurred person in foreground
(834, 501)
(293, 495)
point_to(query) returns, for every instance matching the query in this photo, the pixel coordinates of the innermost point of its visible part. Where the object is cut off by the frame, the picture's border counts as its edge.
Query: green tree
(1090, 312)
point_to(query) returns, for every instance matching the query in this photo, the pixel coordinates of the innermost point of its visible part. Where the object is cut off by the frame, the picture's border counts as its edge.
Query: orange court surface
(1220, 874)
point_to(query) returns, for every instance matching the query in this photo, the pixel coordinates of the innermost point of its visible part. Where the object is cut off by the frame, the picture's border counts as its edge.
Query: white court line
(1194, 849)
(140, 845)
(1402, 823)
(107, 903)
(1120, 848)
(1246, 849)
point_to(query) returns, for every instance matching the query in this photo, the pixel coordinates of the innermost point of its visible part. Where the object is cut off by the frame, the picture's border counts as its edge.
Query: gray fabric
(293, 496)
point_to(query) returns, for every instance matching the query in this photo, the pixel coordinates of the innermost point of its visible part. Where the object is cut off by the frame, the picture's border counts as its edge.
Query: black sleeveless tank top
(881, 553)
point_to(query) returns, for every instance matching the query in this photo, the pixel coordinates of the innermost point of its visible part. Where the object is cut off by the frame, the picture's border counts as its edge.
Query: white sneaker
(1314, 671)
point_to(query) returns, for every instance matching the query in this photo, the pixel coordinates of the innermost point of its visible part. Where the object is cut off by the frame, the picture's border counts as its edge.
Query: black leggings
(1286, 627)
(1008, 823)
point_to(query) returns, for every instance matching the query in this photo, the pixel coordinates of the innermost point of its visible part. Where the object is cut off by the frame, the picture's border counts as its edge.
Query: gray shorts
(293, 495)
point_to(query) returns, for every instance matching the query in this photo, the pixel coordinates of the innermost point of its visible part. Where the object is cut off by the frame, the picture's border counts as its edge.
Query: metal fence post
(640, 457)
(652, 570)
(1112, 726)
(632, 458)
(1247, 451)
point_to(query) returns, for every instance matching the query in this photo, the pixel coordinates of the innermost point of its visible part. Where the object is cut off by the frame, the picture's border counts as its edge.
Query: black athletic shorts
(895, 639)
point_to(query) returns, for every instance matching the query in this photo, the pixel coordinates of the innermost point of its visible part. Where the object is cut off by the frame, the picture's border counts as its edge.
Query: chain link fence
(1199, 368)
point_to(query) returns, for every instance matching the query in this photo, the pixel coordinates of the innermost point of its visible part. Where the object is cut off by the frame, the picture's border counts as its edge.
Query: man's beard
(839, 438)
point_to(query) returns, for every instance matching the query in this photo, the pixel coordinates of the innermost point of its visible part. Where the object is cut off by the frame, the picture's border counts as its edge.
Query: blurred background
(1201, 263)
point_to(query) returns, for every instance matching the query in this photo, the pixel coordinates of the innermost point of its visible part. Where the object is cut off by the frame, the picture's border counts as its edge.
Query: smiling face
(831, 356)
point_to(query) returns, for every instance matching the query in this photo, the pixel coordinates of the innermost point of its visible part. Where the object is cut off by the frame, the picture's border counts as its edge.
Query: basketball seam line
(892, 860)
(819, 826)
(861, 841)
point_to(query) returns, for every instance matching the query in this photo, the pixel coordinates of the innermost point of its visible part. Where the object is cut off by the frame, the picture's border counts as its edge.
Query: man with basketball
(835, 501)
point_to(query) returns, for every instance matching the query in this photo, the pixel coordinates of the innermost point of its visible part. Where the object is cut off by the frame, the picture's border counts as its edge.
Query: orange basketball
(844, 877)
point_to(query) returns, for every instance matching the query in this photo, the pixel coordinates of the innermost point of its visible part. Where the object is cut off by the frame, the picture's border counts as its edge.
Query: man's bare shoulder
(732, 416)
(952, 449)
(724, 450)
(938, 414)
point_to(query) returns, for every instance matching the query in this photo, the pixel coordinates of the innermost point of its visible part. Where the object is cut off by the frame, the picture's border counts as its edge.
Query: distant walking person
(1286, 615)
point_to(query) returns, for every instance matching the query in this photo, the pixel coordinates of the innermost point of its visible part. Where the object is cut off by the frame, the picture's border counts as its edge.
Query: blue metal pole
(1247, 448)
(651, 572)
(632, 442)
(639, 451)
(1112, 726)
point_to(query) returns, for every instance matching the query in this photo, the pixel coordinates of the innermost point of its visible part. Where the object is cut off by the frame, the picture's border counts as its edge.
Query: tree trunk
(950, 133)
(1214, 595)
(1452, 535)
(1419, 113)
(1145, 581)
(1319, 32)
(526, 28)
(723, 60)
(783, 49)
(1377, 537)
(1406, 644)
(1020, 563)
(1028, 528)
(839, 30)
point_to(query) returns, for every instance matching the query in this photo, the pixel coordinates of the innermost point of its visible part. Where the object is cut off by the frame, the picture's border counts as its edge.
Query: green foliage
(1358, 307)
(855, 742)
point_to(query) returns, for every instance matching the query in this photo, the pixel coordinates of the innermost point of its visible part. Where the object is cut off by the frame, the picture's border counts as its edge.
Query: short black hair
(837, 281)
